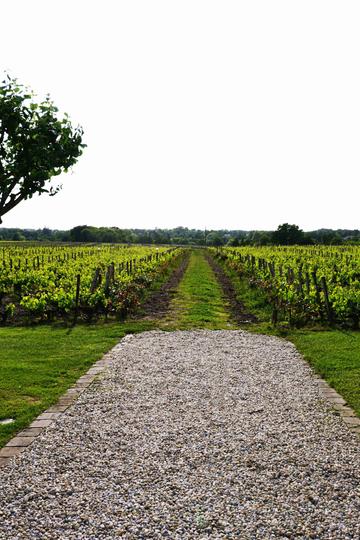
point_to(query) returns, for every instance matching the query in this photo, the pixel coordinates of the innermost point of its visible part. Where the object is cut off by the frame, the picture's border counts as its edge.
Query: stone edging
(23, 439)
(338, 403)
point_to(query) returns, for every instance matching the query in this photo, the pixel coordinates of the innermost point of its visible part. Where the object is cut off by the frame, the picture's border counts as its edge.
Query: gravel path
(190, 435)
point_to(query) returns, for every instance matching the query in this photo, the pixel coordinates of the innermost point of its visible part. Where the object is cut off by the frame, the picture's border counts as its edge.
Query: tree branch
(11, 204)
(7, 192)
(2, 135)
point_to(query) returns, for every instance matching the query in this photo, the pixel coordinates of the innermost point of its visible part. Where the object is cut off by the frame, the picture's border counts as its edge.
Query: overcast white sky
(200, 113)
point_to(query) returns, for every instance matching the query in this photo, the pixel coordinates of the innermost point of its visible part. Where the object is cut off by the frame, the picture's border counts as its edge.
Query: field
(303, 285)
(61, 282)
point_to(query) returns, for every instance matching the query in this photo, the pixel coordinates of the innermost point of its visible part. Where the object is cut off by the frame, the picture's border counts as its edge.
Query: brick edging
(338, 403)
(22, 440)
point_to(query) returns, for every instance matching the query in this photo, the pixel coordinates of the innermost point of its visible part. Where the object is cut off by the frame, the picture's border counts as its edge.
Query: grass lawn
(335, 355)
(38, 364)
(199, 302)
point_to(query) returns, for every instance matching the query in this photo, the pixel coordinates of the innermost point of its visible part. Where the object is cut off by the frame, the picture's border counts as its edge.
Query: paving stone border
(339, 405)
(23, 439)
(337, 402)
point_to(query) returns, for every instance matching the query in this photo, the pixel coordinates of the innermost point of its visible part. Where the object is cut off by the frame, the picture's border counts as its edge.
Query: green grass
(335, 355)
(38, 364)
(199, 301)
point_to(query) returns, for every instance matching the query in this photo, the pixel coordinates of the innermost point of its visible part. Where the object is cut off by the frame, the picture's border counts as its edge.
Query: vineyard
(50, 282)
(302, 284)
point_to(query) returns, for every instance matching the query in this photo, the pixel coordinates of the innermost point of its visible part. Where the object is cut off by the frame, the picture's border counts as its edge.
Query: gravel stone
(190, 435)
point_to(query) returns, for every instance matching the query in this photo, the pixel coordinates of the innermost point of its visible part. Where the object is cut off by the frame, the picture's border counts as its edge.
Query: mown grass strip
(199, 301)
(38, 364)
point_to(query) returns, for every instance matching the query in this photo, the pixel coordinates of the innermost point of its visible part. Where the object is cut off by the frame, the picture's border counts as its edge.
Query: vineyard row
(302, 284)
(66, 283)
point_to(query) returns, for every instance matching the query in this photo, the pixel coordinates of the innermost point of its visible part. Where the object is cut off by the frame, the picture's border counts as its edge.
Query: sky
(198, 113)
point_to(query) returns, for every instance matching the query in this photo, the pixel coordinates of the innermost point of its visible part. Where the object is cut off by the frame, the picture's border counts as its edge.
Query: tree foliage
(288, 235)
(35, 144)
(180, 235)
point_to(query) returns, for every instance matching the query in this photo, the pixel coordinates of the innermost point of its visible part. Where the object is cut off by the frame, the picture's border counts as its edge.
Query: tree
(35, 145)
(233, 241)
(17, 236)
(214, 239)
(288, 235)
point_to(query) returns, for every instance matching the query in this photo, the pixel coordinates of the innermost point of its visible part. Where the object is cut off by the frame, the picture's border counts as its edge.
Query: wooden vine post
(317, 291)
(77, 298)
(328, 307)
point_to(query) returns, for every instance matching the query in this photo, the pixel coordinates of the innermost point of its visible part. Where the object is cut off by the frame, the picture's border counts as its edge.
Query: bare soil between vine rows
(158, 303)
(237, 308)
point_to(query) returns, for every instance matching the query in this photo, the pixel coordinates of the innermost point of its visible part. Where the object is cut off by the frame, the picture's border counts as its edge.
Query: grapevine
(57, 281)
(303, 284)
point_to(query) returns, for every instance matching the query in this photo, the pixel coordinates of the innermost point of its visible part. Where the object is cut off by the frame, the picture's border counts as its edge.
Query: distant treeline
(285, 234)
